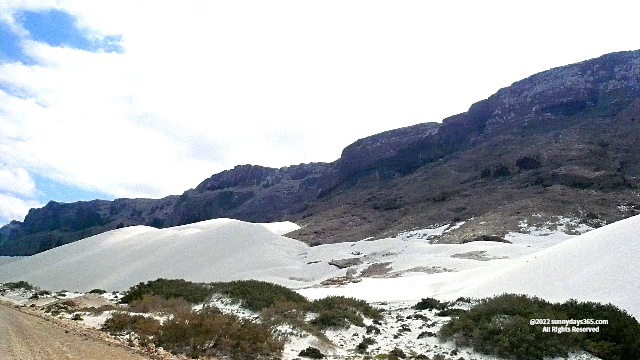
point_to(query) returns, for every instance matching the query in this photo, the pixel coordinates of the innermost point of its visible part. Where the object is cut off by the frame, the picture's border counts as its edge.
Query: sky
(111, 99)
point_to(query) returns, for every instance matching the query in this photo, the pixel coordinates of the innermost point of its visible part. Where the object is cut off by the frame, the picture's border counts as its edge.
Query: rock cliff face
(563, 142)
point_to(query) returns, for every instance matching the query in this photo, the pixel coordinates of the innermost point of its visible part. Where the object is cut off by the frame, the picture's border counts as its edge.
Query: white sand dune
(602, 265)
(214, 250)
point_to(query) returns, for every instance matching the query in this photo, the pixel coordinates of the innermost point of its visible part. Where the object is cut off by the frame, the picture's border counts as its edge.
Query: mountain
(561, 143)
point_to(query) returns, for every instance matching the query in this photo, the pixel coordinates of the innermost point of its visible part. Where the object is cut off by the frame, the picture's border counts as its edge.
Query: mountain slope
(563, 142)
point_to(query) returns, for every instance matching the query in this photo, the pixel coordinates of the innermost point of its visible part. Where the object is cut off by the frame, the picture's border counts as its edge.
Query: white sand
(214, 250)
(601, 265)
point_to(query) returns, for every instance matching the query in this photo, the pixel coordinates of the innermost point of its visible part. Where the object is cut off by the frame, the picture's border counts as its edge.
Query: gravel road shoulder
(27, 335)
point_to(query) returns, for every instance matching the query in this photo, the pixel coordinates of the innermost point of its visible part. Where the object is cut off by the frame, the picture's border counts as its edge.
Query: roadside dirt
(28, 336)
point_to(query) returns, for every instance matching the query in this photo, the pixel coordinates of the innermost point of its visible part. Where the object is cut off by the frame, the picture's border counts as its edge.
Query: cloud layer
(147, 99)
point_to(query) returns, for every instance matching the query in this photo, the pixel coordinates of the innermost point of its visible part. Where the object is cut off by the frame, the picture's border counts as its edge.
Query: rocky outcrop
(247, 192)
(598, 87)
(564, 141)
(384, 153)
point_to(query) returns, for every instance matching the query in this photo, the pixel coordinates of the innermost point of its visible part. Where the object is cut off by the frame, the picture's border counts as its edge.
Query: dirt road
(27, 337)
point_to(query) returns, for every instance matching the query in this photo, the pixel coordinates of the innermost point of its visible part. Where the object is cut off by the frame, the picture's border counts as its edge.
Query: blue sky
(147, 99)
(53, 27)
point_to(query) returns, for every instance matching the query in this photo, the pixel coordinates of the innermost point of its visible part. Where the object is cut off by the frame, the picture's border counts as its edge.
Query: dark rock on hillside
(250, 193)
(563, 142)
(560, 143)
(384, 153)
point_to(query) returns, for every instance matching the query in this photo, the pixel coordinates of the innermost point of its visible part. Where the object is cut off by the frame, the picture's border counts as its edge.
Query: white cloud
(204, 86)
(16, 181)
(12, 207)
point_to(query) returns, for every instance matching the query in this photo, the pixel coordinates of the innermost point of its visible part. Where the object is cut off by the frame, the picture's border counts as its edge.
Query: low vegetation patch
(501, 326)
(39, 293)
(99, 310)
(56, 308)
(431, 304)
(158, 304)
(18, 285)
(341, 312)
(312, 353)
(257, 295)
(209, 332)
(189, 291)
(122, 322)
(204, 333)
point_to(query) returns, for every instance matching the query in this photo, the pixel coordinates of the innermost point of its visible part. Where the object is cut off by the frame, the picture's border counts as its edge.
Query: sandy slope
(214, 250)
(602, 265)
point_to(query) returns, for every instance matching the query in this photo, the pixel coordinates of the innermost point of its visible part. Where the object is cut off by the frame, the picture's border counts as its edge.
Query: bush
(257, 295)
(97, 291)
(153, 303)
(340, 312)
(500, 326)
(430, 304)
(373, 330)
(213, 334)
(312, 353)
(362, 347)
(191, 292)
(451, 312)
(36, 295)
(397, 353)
(56, 308)
(344, 303)
(204, 333)
(18, 285)
(120, 323)
(336, 319)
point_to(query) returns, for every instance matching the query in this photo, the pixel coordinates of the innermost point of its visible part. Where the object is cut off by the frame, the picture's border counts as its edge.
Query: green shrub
(337, 319)
(371, 329)
(348, 303)
(36, 295)
(56, 308)
(191, 292)
(77, 317)
(157, 304)
(430, 304)
(362, 347)
(204, 333)
(209, 333)
(257, 295)
(97, 291)
(340, 312)
(500, 326)
(18, 285)
(451, 312)
(121, 322)
(312, 353)
(293, 314)
(398, 353)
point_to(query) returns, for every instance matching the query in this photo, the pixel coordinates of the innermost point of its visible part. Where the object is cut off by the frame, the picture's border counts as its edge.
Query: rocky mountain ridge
(563, 142)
